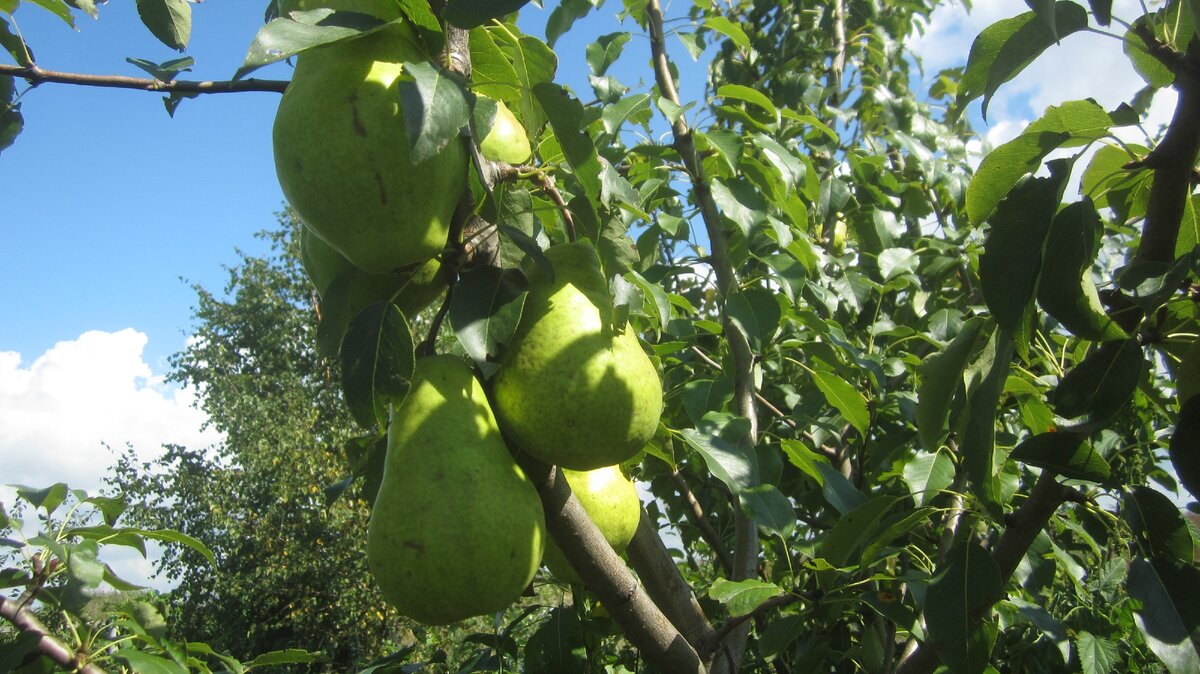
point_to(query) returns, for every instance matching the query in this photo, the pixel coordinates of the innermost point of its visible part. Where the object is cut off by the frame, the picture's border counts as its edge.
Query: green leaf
(804, 458)
(927, 475)
(1065, 289)
(956, 603)
(978, 436)
(1071, 123)
(472, 13)
(558, 645)
(566, 116)
(845, 399)
(771, 510)
(1096, 654)
(1169, 618)
(1184, 447)
(1153, 71)
(61, 9)
(838, 491)
(854, 531)
(169, 20)
(435, 109)
(141, 662)
(1189, 225)
(727, 462)
(284, 38)
(165, 71)
(377, 363)
(564, 16)
(742, 597)
(757, 313)
(701, 396)
(493, 75)
(1006, 47)
(49, 498)
(754, 97)
(605, 51)
(1099, 386)
(1012, 253)
(658, 305)
(729, 29)
(941, 375)
(1158, 529)
(485, 309)
(287, 656)
(14, 648)
(15, 45)
(171, 536)
(1065, 454)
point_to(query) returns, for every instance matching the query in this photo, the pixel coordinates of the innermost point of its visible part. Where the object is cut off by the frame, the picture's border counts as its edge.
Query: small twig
(37, 75)
(764, 608)
(16, 612)
(547, 183)
(429, 346)
(695, 513)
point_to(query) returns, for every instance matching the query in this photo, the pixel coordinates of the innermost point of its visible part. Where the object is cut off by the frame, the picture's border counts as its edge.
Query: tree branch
(668, 589)
(37, 75)
(1023, 527)
(17, 612)
(746, 548)
(1174, 159)
(609, 579)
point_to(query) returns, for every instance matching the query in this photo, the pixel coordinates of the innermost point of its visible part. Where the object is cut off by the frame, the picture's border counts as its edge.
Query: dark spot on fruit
(358, 125)
(382, 189)
(415, 545)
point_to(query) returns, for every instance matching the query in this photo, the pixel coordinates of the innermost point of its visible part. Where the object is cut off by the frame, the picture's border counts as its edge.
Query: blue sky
(113, 208)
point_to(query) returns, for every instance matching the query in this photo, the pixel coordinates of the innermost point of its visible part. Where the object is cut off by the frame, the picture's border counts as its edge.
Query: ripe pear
(342, 155)
(572, 389)
(611, 500)
(457, 529)
(503, 137)
(411, 290)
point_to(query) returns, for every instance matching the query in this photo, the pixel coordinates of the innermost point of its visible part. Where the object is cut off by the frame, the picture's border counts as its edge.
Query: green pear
(457, 529)
(504, 138)
(386, 10)
(411, 290)
(571, 390)
(611, 500)
(342, 155)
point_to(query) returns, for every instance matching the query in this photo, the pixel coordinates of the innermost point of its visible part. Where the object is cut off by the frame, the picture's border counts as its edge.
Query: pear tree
(890, 406)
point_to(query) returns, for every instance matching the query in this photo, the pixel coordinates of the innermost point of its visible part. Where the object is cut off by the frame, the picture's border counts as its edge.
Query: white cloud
(1084, 65)
(58, 413)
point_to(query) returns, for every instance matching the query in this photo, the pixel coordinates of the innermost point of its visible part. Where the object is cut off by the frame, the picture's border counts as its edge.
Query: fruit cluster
(457, 528)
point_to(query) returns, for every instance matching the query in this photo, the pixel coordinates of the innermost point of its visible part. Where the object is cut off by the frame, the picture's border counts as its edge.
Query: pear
(457, 529)
(411, 290)
(504, 138)
(571, 389)
(342, 155)
(611, 500)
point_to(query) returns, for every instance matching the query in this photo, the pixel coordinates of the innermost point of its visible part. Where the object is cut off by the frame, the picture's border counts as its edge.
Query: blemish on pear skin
(383, 198)
(358, 125)
(415, 545)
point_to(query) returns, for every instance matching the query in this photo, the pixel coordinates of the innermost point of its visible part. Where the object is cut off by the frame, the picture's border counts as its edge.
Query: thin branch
(603, 572)
(547, 184)
(1023, 527)
(1173, 160)
(16, 611)
(746, 547)
(36, 75)
(762, 609)
(695, 514)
